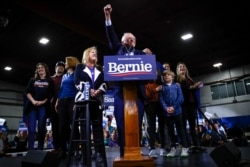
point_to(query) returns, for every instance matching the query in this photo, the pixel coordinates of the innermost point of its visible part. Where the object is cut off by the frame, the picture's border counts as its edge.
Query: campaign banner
(2, 122)
(129, 68)
(22, 126)
(109, 102)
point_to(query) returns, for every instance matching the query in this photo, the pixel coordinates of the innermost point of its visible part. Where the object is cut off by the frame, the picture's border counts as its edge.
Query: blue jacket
(171, 96)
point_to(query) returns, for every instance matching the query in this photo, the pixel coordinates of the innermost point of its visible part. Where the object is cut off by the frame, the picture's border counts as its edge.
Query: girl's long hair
(181, 78)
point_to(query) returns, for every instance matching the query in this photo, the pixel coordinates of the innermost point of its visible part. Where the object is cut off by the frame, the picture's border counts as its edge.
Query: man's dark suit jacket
(119, 49)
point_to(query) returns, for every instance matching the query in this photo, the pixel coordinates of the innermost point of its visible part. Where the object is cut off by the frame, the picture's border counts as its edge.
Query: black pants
(65, 113)
(173, 122)
(153, 109)
(55, 127)
(189, 114)
(95, 126)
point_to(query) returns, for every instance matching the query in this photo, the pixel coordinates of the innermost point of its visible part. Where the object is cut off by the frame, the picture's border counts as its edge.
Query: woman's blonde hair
(181, 78)
(85, 57)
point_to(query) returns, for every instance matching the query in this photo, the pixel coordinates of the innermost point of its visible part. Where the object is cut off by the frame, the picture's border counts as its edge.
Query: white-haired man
(124, 47)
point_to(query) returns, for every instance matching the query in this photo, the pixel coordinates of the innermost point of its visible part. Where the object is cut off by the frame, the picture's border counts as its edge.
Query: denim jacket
(171, 95)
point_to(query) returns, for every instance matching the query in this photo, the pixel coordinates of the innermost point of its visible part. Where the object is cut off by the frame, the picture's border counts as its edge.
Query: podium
(129, 70)
(132, 151)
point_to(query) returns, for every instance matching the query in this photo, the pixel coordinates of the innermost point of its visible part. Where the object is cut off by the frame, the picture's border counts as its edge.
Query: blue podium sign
(129, 68)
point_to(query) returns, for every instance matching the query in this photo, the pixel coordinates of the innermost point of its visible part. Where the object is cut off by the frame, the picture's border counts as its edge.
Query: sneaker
(153, 154)
(184, 152)
(93, 156)
(99, 158)
(172, 152)
(163, 152)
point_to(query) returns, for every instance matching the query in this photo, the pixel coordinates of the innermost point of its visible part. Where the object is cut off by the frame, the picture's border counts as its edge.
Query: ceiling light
(7, 68)
(44, 41)
(217, 65)
(186, 36)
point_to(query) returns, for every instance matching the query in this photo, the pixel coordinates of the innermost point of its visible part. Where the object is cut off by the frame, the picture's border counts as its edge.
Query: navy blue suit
(120, 49)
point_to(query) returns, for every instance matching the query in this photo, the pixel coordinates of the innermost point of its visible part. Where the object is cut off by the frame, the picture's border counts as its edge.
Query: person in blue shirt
(171, 98)
(65, 103)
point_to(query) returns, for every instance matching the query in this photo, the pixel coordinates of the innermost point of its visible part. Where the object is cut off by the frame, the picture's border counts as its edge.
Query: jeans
(36, 119)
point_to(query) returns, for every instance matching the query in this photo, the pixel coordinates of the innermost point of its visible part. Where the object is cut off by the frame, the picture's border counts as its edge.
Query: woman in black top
(38, 91)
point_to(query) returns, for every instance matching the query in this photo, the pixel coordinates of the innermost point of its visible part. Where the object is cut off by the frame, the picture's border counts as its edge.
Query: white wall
(11, 103)
(224, 107)
(12, 114)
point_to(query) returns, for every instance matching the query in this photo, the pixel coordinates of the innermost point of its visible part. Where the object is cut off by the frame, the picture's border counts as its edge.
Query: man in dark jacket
(127, 48)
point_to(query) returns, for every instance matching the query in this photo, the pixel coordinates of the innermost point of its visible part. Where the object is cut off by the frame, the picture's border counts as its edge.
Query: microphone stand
(199, 148)
(210, 122)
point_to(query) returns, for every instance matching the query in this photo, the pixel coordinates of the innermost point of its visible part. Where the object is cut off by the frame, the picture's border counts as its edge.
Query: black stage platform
(197, 159)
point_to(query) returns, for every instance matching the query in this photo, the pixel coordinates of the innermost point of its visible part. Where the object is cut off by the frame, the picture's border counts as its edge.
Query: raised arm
(107, 12)
(111, 35)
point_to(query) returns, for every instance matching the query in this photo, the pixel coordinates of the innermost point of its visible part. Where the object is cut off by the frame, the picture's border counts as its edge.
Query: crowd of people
(171, 101)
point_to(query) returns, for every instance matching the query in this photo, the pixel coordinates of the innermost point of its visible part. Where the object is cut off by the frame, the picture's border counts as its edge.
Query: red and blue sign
(129, 68)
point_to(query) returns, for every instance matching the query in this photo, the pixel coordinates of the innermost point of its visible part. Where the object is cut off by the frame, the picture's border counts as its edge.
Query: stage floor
(197, 159)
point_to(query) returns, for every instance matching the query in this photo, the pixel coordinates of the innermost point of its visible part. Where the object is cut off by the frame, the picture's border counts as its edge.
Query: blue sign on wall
(129, 68)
